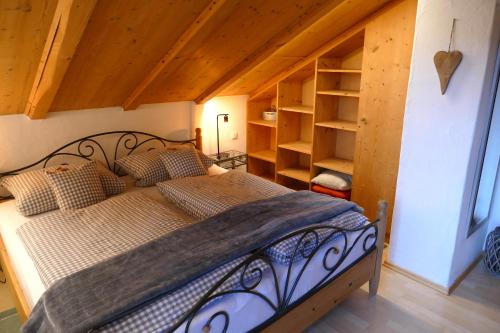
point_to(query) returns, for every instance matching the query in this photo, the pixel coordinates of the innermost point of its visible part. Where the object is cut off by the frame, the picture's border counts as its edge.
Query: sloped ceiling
(60, 55)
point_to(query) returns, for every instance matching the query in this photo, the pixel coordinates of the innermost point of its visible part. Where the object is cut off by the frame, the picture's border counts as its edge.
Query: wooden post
(199, 141)
(382, 217)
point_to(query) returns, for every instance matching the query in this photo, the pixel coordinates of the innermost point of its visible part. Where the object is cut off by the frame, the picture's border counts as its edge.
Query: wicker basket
(492, 248)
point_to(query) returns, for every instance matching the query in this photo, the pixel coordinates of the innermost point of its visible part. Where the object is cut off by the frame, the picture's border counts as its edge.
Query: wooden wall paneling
(297, 52)
(299, 25)
(350, 31)
(123, 41)
(386, 64)
(24, 25)
(251, 24)
(68, 24)
(199, 23)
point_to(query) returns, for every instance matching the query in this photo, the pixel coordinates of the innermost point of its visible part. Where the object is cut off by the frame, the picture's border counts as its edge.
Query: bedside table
(230, 159)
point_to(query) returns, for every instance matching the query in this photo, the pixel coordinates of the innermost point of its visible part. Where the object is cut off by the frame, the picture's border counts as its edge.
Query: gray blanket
(102, 293)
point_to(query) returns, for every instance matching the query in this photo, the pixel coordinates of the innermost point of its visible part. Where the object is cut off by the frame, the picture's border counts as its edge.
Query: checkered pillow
(78, 187)
(111, 183)
(183, 163)
(32, 192)
(205, 160)
(147, 169)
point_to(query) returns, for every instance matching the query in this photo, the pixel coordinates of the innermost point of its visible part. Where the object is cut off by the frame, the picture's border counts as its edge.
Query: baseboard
(442, 289)
(464, 274)
(417, 278)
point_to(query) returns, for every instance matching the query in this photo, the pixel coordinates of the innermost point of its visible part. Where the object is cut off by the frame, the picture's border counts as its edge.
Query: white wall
(23, 140)
(204, 116)
(493, 153)
(439, 142)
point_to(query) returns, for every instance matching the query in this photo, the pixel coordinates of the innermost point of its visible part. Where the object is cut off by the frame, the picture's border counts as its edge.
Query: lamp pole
(226, 119)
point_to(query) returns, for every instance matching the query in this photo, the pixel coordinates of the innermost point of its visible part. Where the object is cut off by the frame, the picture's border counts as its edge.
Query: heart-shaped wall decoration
(446, 64)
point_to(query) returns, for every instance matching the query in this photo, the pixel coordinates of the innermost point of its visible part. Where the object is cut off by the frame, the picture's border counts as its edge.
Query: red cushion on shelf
(334, 193)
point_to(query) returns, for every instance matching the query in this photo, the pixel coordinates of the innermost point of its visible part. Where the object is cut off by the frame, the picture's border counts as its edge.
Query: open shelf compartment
(292, 92)
(334, 150)
(261, 168)
(295, 165)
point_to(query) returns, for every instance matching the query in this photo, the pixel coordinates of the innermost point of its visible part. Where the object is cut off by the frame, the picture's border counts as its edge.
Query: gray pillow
(334, 180)
(32, 192)
(111, 183)
(76, 187)
(183, 163)
(147, 169)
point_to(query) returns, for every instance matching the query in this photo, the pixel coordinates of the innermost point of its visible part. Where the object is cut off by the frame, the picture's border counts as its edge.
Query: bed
(287, 294)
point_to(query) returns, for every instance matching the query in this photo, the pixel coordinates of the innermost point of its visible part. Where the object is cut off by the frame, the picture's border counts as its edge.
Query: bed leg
(382, 217)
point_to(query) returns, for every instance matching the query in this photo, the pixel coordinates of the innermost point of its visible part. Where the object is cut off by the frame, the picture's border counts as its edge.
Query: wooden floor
(6, 301)
(406, 306)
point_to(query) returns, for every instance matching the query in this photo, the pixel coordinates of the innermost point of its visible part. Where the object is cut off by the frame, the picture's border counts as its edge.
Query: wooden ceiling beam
(133, 100)
(69, 22)
(269, 48)
(353, 30)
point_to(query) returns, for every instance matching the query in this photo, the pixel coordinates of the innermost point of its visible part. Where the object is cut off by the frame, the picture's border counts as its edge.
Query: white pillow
(216, 170)
(334, 180)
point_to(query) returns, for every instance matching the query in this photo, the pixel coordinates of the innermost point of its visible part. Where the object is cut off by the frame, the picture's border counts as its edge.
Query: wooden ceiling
(60, 55)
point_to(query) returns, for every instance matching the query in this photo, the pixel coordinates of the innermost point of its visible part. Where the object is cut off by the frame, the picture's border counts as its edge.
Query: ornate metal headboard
(105, 147)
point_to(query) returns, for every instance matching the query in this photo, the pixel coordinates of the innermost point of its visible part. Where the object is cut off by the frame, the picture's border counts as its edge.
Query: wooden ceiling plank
(132, 101)
(346, 35)
(69, 22)
(268, 49)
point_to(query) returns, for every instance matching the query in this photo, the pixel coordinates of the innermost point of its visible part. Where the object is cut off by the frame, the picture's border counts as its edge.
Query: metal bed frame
(288, 315)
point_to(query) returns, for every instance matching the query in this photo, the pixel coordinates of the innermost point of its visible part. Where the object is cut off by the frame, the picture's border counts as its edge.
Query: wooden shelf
(336, 164)
(261, 122)
(340, 124)
(269, 177)
(298, 146)
(296, 173)
(265, 155)
(344, 93)
(346, 71)
(298, 108)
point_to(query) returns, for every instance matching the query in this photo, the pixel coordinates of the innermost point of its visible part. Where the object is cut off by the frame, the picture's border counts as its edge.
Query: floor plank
(406, 306)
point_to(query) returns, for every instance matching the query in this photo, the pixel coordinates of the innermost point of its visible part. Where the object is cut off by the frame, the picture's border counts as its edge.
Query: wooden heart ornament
(446, 64)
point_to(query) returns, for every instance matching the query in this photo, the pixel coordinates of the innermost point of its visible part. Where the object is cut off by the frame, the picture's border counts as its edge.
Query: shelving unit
(341, 110)
(338, 86)
(261, 136)
(295, 128)
(317, 119)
